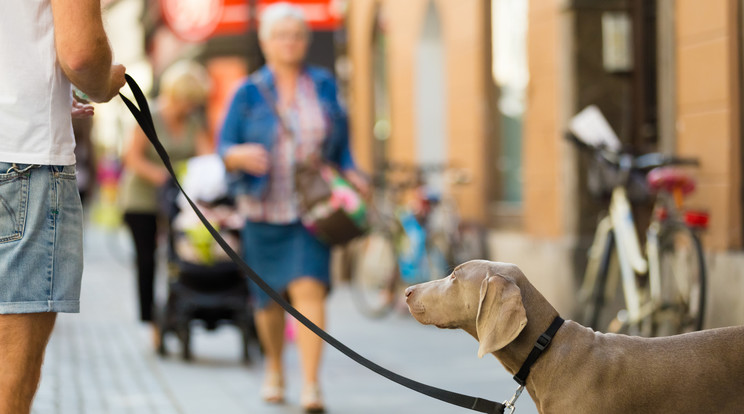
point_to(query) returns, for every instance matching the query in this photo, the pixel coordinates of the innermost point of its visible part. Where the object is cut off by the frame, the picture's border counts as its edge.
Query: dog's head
(480, 297)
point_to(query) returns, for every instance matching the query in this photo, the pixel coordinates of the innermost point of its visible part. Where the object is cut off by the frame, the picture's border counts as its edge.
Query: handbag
(330, 207)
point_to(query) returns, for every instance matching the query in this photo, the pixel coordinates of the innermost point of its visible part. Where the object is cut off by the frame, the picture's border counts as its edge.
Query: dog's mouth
(416, 308)
(418, 311)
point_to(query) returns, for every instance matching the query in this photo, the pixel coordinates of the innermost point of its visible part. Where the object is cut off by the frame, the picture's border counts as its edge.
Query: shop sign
(193, 20)
(198, 20)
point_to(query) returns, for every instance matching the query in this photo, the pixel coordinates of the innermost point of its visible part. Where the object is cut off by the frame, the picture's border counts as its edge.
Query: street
(101, 361)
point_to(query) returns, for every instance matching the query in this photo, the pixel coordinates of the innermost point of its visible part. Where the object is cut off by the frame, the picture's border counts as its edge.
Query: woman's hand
(137, 162)
(159, 176)
(250, 158)
(359, 182)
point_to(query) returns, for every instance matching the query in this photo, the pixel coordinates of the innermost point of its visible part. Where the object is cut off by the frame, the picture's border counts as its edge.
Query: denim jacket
(250, 119)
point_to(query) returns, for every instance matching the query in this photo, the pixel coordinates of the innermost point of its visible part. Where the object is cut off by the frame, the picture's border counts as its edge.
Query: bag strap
(144, 119)
(269, 98)
(266, 94)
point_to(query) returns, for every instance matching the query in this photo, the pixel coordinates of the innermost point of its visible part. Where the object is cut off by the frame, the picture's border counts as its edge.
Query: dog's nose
(409, 291)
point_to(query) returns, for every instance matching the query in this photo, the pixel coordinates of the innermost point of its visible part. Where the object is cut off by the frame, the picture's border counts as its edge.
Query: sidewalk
(100, 361)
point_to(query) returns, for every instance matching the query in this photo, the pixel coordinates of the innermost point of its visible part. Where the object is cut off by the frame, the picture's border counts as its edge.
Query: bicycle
(661, 292)
(409, 242)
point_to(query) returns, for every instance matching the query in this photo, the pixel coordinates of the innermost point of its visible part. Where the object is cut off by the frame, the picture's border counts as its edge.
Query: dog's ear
(501, 314)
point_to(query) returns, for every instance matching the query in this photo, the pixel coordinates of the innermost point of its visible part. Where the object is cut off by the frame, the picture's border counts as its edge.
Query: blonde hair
(277, 12)
(185, 80)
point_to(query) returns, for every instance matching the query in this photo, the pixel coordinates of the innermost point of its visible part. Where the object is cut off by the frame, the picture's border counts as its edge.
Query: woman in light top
(182, 131)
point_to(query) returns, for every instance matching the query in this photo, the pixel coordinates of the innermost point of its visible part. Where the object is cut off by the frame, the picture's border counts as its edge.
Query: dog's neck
(540, 314)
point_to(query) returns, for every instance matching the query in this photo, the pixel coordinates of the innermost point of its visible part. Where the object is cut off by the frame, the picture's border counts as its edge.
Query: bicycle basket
(603, 177)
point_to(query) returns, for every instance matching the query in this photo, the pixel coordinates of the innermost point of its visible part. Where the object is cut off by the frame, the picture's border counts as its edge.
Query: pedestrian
(260, 152)
(45, 46)
(183, 133)
(85, 160)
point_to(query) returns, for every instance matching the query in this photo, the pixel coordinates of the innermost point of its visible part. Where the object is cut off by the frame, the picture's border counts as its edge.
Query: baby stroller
(204, 285)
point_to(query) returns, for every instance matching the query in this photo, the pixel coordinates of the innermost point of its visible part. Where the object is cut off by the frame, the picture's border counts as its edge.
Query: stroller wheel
(159, 332)
(185, 335)
(161, 346)
(247, 337)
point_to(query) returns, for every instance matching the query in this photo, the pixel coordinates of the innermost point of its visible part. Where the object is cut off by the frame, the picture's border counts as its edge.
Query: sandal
(272, 390)
(311, 399)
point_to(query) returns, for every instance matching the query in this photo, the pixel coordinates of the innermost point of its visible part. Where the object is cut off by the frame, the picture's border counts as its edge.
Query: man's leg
(23, 339)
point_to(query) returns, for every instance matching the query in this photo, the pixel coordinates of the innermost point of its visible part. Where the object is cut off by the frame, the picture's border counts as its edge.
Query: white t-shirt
(35, 95)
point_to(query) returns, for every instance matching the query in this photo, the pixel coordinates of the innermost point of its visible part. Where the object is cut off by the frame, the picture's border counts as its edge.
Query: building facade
(466, 82)
(419, 87)
(688, 54)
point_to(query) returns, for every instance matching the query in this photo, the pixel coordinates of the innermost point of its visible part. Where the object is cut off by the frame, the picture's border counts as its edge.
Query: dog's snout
(409, 291)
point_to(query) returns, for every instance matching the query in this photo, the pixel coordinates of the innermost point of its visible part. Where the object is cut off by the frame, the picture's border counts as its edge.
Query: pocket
(67, 187)
(66, 172)
(13, 205)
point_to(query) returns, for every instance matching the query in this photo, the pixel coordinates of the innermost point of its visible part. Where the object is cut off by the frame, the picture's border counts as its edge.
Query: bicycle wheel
(438, 265)
(605, 307)
(470, 243)
(683, 284)
(374, 274)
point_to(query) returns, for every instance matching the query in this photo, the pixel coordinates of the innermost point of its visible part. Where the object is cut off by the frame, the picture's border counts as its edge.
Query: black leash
(144, 119)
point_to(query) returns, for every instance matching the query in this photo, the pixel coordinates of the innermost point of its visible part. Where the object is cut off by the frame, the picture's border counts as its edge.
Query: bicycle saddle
(670, 178)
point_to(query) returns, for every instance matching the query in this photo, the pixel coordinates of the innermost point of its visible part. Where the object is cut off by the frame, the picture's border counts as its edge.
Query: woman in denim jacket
(260, 151)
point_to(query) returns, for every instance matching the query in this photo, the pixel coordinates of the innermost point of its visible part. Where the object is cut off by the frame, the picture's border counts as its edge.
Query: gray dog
(584, 371)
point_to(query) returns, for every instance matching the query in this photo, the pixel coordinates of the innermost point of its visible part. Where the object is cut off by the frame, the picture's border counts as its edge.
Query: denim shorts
(41, 239)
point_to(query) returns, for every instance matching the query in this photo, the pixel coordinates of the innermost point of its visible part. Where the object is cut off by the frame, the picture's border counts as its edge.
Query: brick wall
(543, 209)
(708, 113)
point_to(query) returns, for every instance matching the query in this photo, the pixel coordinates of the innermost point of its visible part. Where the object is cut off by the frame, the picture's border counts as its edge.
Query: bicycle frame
(627, 245)
(632, 262)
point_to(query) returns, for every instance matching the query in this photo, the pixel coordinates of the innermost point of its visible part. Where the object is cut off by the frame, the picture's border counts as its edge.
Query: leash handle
(144, 119)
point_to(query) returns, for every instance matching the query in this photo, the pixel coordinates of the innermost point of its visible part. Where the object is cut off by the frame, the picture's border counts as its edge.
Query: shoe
(272, 390)
(311, 399)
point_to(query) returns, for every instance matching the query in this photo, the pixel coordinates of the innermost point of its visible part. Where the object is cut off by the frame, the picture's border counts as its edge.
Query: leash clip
(511, 403)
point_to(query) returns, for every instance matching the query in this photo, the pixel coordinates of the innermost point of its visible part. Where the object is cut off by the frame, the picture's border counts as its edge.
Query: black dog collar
(542, 343)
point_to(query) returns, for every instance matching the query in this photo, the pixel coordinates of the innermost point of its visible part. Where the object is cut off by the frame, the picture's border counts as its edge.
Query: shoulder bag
(330, 207)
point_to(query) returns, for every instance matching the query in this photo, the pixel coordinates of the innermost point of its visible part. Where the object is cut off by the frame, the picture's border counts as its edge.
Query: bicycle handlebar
(410, 175)
(426, 168)
(628, 161)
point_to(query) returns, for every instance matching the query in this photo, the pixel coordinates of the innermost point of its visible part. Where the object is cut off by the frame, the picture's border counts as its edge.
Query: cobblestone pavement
(101, 360)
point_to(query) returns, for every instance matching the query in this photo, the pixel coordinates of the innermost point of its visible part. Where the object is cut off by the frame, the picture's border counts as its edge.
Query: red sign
(198, 20)
(193, 20)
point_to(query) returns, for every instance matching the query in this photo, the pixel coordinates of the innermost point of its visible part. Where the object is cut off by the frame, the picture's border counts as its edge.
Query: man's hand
(116, 80)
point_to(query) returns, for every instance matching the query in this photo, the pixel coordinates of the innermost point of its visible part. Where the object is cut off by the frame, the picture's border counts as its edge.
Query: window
(510, 76)
(431, 101)
(381, 104)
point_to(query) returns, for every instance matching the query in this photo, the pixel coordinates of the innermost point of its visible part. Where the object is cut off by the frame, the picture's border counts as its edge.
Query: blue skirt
(281, 254)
